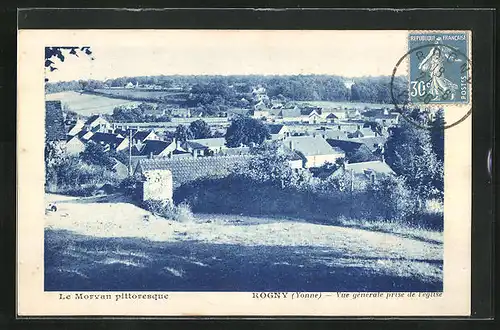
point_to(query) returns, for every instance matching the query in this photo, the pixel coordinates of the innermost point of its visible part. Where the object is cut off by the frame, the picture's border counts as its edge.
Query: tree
(409, 153)
(246, 131)
(60, 53)
(437, 134)
(95, 154)
(437, 141)
(200, 129)
(55, 157)
(391, 198)
(183, 133)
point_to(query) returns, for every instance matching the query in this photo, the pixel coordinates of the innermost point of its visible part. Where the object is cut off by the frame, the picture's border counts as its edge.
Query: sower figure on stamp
(433, 63)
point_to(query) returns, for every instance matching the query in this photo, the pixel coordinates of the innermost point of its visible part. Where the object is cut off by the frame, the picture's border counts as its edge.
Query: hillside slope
(86, 239)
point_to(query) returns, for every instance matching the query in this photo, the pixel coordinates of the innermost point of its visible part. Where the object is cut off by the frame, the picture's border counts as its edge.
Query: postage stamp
(439, 67)
(243, 173)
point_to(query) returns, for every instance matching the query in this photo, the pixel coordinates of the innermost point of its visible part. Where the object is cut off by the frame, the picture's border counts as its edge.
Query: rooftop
(208, 143)
(311, 145)
(371, 142)
(375, 166)
(154, 147)
(185, 170)
(106, 138)
(275, 128)
(346, 146)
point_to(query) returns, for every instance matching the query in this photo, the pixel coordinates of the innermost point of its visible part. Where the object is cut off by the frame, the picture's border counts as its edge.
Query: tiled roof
(275, 112)
(336, 134)
(76, 128)
(106, 138)
(154, 147)
(346, 146)
(375, 166)
(371, 142)
(194, 145)
(311, 146)
(91, 119)
(188, 169)
(54, 122)
(388, 116)
(211, 142)
(275, 128)
(141, 135)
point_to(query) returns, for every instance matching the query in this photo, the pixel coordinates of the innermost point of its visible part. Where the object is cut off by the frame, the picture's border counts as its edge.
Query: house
(362, 132)
(97, 123)
(335, 134)
(185, 170)
(363, 174)
(74, 146)
(85, 135)
(290, 115)
(352, 114)
(156, 148)
(278, 131)
(54, 122)
(390, 119)
(311, 116)
(334, 113)
(355, 152)
(181, 112)
(260, 114)
(373, 143)
(330, 118)
(141, 136)
(234, 112)
(130, 85)
(76, 128)
(381, 116)
(205, 147)
(259, 106)
(314, 150)
(110, 141)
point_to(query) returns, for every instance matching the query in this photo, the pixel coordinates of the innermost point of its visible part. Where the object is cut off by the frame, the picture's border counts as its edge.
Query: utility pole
(129, 152)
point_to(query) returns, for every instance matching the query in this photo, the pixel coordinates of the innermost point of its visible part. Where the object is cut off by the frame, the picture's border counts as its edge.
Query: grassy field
(144, 94)
(349, 105)
(87, 104)
(118, 246)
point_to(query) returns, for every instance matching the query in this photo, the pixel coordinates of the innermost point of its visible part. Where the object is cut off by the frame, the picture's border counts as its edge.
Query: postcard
(248, 173)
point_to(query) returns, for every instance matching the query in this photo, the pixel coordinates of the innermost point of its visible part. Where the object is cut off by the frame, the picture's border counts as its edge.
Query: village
(319, 138)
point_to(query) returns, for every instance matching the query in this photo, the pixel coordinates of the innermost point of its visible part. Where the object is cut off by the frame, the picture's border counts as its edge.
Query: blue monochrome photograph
(227, 167)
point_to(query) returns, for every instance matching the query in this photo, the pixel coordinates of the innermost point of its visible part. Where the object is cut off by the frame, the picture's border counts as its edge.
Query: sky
(122, 53)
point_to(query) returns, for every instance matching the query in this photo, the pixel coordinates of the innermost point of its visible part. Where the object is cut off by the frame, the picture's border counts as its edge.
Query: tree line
(227, 91)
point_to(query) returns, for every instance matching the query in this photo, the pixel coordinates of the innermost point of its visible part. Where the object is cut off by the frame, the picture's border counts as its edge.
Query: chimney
(151, 155)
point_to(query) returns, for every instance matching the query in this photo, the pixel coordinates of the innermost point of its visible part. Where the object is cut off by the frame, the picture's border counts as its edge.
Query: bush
(167, 209)
(72, 176)
(129, 186)
(81, 191)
